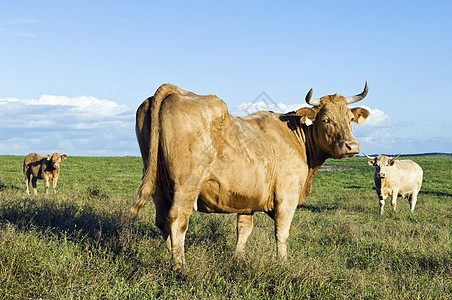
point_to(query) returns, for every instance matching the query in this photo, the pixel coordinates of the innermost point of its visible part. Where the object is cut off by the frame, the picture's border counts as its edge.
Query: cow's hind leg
(162, 207)
(34, 183)
(244, 228)
(178, 218)
(413, 199)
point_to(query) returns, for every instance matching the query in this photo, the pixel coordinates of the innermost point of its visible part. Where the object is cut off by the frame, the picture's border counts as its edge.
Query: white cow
(396, 177)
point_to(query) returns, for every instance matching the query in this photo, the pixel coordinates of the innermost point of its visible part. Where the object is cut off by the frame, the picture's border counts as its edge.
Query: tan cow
(42, 167)
(196, 155)
(396, 177)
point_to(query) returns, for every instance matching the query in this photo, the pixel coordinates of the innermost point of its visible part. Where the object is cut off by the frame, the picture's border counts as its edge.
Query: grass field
(68, 246)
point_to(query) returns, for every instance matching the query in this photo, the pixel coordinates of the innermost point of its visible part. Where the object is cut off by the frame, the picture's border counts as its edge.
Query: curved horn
(369, 157)
(397, 156)
(312, 101)
(358, 97)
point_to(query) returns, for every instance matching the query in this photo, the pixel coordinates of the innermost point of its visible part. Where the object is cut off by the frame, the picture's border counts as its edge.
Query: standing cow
(42, 167)
(396, 177)
(197, 156)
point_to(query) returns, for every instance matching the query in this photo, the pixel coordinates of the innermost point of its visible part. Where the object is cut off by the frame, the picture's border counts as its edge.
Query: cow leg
(413, 199)
(34, 182)
(162, 208)
(178, 218)
(244, 228)
(283, 219)
(394, 199)
(27, 182)
(46, 184)
(382, 204)
(54, 185)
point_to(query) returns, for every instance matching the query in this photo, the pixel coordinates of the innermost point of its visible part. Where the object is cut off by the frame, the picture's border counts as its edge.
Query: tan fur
(202, 157)
(37, 166)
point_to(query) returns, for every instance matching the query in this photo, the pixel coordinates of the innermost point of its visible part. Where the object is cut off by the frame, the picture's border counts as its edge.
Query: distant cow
(42, 167)
(396, 177)
(197, 156)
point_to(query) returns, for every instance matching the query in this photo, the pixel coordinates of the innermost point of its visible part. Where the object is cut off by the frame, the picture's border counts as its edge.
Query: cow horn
(312, 101)
(358, 97)
(397, 156)
(369, 157)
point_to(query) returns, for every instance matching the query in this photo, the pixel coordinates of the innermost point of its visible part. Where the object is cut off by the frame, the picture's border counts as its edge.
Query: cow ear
(360, 114)
(392, 162)
(48, 156)
(64, 156)
(308, 112)
(371, 162)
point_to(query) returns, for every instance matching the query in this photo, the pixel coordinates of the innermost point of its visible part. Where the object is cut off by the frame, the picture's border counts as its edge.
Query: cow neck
(316, 157)
(305, 136)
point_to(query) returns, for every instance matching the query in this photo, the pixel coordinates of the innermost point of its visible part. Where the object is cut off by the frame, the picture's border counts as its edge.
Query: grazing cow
(396, 177)
(42, 167)
(197, 156)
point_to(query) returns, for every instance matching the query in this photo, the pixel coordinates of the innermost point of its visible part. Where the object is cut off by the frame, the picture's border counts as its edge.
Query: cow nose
(381, 175)
(351, 147)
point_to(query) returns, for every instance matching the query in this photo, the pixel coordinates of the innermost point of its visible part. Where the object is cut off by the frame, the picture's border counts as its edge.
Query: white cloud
(22, 21)
(77, 126)
(377, 117)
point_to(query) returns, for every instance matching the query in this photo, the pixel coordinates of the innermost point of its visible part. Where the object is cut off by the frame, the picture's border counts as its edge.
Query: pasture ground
(68, 246)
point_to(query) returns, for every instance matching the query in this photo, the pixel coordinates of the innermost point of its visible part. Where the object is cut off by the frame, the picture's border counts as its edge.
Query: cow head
(332, 122)
(381, 164)
(55, 159)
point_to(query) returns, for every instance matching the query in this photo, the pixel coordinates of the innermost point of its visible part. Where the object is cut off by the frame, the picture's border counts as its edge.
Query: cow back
(405, 176)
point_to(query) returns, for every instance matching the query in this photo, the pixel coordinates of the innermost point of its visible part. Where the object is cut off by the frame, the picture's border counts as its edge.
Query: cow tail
(148, 184)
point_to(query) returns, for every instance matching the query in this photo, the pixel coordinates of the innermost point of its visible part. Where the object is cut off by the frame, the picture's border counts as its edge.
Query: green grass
(68, 246)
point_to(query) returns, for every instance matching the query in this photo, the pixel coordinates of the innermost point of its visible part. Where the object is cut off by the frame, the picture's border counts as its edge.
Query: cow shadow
(434, 193)
(83, 225)
(318, 208)
(4, 186)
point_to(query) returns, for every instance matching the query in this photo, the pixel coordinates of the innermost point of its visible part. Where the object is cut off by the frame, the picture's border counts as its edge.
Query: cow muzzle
(349, 148)
(56, 166)
(381, 175)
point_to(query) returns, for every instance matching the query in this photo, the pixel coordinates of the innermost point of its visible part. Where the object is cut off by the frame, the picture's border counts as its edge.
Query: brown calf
(42, 167)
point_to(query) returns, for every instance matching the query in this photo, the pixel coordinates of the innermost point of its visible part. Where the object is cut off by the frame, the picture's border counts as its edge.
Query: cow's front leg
(382, 203)
(178, 222)
(244, 228)
(47, 184)
(394, 199)
(55, 180)
(283, 218)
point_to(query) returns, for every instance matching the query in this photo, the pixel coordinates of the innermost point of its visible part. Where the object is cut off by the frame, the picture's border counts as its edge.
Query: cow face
(332, 119)
(55, 159)
(382, 163)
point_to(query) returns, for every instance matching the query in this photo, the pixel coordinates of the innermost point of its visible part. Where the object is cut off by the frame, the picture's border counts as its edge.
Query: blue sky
(72, 73)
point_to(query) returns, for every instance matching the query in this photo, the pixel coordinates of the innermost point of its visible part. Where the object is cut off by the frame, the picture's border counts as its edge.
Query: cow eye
(326, 120)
